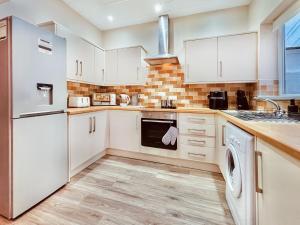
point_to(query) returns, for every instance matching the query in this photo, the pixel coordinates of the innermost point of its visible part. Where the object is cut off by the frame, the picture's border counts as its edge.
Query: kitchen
(184, 112)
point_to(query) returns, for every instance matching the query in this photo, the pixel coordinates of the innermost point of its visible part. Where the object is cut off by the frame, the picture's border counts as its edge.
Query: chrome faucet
(279, 112)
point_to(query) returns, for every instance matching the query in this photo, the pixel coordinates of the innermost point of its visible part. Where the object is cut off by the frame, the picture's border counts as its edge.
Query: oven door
(153, 131)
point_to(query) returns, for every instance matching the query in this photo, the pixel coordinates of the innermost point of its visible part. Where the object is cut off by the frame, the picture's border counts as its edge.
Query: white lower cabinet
(221, 143)
(279, 181)
(87, 139)
(125, 130)
(196, 139)
(100, 129)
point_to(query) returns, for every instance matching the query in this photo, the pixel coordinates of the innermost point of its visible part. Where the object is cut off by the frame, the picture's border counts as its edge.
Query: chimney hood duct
(163, 45)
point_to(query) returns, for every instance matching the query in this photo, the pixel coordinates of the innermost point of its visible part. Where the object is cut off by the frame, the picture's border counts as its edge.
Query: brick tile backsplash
(166, 81)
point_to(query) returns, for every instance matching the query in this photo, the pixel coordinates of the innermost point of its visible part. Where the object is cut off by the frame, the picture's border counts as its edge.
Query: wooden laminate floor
(124, 191)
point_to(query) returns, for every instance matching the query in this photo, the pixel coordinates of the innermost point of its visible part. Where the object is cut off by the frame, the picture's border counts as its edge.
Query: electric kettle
(124, 100)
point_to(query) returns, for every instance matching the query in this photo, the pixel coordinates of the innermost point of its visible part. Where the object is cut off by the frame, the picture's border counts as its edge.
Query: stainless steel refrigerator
(33, 122)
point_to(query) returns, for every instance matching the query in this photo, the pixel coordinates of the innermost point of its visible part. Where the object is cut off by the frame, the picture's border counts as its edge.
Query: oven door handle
(158, 121)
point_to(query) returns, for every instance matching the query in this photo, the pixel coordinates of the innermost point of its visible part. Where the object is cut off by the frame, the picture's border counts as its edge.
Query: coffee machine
(241, 100)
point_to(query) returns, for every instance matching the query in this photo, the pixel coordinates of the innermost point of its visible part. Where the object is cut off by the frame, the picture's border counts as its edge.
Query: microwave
(104, 99)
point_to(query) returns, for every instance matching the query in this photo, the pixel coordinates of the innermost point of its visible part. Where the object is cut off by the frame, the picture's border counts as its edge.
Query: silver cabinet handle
(81, 68)
(221, 68)
(103, 75)
(197, 154)
(76, 68)
(196, 131)
(223, 135)
(197, 120)
(197, 143)
(91, 125)
(158, 121)
(94, 129)
(258, 189)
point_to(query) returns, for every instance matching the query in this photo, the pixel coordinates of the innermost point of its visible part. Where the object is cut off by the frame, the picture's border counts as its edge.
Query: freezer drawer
(40, 159)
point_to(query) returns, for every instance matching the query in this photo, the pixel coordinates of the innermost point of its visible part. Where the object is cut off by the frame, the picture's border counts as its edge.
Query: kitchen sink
(264, 116)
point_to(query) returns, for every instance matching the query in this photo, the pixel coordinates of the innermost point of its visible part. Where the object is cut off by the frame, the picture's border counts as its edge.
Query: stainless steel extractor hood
(163, 46)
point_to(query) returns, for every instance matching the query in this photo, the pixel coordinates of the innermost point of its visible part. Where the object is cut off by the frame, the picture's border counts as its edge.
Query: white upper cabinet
(238, 58)
(73, 50)
(83, 58)
(111, 68)
(125, 66)
(128, 65)
(201, 60)
(99, 65)
(222, 59)
(87, 62)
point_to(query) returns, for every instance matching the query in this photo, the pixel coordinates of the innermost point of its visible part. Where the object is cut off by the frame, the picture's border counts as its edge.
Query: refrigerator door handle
(26, 115)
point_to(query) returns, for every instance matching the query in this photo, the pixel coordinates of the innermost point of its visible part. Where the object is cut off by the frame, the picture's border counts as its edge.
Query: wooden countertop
(284, 136)
(75, 111)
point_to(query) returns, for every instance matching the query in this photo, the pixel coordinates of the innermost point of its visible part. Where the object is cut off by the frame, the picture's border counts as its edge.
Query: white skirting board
(165, 160)
(86, 164)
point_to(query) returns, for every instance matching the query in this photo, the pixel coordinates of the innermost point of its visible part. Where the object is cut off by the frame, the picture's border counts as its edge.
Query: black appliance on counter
(218, 100)
(154, 126)
(241, 100)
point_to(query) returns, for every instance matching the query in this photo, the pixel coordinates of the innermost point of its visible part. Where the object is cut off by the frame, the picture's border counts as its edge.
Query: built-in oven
(154, 126)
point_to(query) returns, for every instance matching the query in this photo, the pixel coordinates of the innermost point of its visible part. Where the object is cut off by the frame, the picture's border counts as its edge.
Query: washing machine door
(233, 171)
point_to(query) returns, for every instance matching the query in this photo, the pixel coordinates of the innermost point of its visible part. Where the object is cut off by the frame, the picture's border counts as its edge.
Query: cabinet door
(129, 65)
(100, 128)
(143, 69)
(125, 130)
(280, 182)
(111, 66)
(201, 58)
(221, 143)
(99, 65)
(80, 139)
(238, 58)
(86, 64)
(73, 52)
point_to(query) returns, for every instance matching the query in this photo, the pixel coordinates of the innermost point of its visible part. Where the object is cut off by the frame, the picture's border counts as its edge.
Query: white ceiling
(131, 12)
(2, 1)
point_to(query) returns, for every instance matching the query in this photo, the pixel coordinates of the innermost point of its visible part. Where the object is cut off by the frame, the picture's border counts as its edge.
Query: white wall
(38, 11)
(195, 26)
(287, 14)
(223, 22)
(268, 50)
(261, 10)
(143, 34)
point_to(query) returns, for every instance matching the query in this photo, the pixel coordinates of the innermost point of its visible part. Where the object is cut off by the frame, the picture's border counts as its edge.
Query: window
(290, 80)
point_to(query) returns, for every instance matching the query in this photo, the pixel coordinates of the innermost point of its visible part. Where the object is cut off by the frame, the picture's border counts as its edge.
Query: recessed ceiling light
(158, 8)
(110, 18)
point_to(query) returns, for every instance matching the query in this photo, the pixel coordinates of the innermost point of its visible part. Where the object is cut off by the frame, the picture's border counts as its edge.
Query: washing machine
(239, 172)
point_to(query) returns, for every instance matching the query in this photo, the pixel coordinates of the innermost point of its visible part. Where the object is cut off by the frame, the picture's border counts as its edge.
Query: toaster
(218, 100)
(79, 102)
